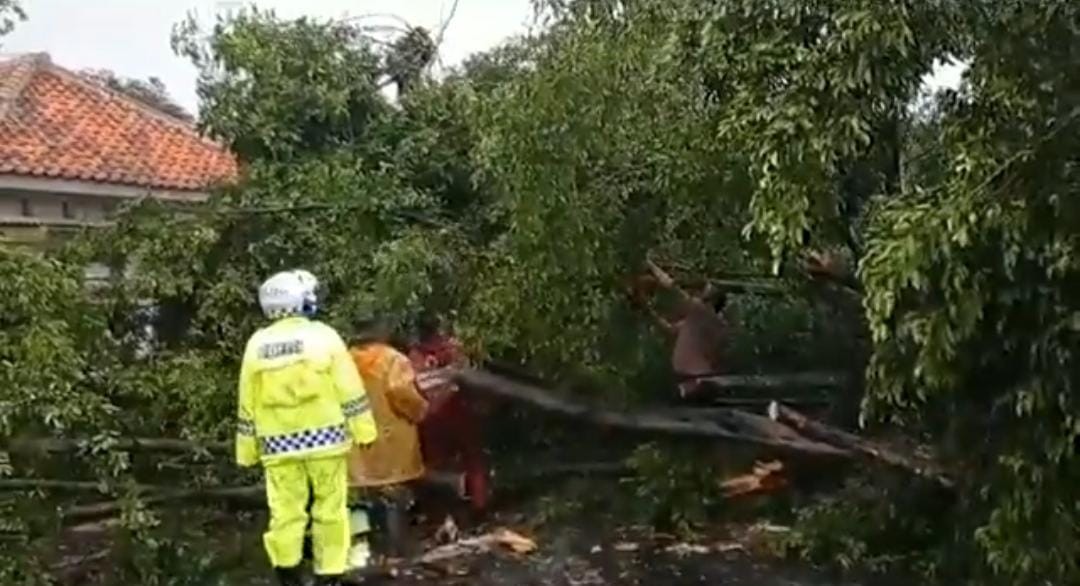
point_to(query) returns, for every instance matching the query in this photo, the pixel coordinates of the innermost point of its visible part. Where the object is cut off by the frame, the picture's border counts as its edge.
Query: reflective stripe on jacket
(299, 395)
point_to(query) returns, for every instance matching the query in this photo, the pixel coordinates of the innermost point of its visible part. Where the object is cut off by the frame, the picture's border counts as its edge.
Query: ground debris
(687, 549)
(499, 538)
(766, 477)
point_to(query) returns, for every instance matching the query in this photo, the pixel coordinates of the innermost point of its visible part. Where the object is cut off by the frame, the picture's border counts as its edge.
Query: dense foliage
(11, 12)
(519, 193)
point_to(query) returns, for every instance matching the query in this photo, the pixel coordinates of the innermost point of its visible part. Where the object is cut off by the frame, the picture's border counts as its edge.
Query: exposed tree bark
(857, 445)
(774, 381)
(723, 405)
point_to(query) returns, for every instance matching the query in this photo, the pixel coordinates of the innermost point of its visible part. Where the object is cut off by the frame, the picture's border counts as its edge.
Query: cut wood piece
(732, 425)
(499, 538)
(766, 477)
(867, 449)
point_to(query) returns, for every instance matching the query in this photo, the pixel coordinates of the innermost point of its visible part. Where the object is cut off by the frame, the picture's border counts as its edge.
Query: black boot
(289, 576)
(397, 531)
(329, 581)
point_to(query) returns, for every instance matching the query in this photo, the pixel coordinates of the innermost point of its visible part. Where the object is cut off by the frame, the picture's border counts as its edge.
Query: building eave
(45, 222)
(99, 189)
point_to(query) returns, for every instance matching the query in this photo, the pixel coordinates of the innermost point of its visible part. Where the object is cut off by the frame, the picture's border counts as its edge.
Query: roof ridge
(142, 107)
(22, 67)
(100, 135)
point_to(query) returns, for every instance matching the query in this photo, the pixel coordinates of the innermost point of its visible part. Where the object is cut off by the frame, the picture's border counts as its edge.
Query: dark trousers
(388, 513)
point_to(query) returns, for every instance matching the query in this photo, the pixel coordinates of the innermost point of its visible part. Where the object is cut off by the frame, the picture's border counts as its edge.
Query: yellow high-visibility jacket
(300, 395)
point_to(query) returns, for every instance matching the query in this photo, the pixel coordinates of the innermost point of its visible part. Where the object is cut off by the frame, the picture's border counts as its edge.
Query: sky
(131, 37)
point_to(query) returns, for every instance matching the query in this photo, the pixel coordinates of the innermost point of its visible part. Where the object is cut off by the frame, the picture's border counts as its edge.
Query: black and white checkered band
(355, 407)
(302, 441)
(245, 427)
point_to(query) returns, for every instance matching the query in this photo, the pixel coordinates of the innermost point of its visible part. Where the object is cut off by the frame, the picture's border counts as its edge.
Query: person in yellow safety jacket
(381, 474)
(302, 407)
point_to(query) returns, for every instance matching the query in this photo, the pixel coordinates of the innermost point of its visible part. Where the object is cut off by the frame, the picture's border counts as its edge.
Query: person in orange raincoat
(450, 436)
(383, 471)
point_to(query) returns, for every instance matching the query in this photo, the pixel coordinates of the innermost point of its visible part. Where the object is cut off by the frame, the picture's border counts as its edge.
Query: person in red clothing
(450, 436)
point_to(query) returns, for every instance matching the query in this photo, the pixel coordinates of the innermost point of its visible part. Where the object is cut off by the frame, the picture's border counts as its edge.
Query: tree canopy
(11, 12)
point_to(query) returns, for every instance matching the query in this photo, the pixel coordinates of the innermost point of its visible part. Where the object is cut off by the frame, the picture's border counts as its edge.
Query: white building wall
(61, 208)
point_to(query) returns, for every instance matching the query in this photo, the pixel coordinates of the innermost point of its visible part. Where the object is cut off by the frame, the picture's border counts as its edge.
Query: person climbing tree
(697, 326)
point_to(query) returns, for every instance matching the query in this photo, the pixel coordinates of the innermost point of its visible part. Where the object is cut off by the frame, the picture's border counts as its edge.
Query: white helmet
(282, 295)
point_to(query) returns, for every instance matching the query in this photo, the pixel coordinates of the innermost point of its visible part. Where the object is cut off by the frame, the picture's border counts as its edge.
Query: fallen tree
(730, 425)
(784, 429)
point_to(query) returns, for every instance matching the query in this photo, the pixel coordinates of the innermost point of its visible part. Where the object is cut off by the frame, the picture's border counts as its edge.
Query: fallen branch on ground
(98, 510)
(158, 495)
(56, 445)
(74, 562)
(70, 485)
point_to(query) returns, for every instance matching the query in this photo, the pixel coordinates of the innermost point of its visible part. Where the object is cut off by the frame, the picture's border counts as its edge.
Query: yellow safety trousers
(287, 490)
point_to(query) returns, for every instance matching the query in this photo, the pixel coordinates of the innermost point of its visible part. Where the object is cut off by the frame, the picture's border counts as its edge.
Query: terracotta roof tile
(57, 124)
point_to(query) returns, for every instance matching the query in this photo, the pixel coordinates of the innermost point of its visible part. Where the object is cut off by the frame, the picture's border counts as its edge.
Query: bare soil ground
(567, 555)
(593, 555)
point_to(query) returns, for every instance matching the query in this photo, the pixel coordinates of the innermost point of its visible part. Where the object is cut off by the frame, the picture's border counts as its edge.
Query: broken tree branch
(46, 484)
(733, 425)
(666, 281)
(445, 24)
(57, 445)
(855, 444)
(731, 283)
(213, 494)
